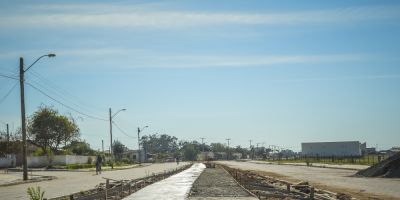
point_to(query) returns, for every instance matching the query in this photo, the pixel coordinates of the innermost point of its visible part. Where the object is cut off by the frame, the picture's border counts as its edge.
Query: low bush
(80, 166)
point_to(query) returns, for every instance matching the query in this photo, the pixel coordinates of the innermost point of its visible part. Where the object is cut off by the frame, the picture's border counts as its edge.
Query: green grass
(73, 166)
(365, 160)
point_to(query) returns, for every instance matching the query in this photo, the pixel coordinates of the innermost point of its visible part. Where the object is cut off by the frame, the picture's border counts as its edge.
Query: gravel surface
(216, 182)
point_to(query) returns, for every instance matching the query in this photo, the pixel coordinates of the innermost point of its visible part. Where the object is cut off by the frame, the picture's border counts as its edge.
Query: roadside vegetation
(35, 193)
(337, 160)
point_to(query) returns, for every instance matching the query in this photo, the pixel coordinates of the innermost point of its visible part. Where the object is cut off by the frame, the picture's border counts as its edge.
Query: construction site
(219, 180)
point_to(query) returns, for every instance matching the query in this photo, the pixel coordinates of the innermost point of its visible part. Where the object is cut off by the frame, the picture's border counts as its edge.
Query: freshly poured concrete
(175, 187)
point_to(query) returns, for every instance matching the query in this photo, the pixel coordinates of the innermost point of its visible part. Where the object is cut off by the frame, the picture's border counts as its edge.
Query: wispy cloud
(131, 17)
(142, 58)
(248, 61)
(344, 78)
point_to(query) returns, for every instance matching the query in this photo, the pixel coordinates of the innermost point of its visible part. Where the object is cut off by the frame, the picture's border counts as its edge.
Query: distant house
(236, 156)
(220, 155)
(134, 155)
(345, 148)
(370, 150)
(392, 151)
(208, 155)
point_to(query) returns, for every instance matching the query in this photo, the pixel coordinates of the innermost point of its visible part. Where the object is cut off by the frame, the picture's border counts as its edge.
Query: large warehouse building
(346, 148)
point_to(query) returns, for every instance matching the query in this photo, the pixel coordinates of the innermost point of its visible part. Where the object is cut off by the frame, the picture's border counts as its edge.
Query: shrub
(125, 160)
(89, 160)
(80, 166)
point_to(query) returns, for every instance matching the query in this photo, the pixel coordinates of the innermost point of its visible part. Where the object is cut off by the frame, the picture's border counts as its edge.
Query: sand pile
(389, 168)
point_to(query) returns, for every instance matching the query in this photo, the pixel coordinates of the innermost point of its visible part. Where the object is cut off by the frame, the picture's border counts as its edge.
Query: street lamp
(138, 136)
(23, 122)
(111, 141)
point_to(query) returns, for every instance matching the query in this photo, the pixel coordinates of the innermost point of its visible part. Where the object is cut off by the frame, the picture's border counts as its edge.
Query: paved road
(333, 179)
(71, 182)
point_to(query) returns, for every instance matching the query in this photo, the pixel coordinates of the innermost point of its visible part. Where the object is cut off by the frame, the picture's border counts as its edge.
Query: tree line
(55, 133)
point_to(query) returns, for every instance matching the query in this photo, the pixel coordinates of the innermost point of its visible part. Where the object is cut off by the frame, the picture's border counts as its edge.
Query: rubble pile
(389, 168)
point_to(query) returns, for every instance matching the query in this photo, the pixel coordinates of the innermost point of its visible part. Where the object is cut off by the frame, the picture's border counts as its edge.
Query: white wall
(8, 161)
(43, 161)
(351, 148)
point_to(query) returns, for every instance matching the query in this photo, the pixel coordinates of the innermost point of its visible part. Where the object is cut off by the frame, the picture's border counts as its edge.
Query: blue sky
(278, 72)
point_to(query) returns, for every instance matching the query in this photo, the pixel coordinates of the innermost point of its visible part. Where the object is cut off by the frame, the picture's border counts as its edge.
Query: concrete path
(71, 182)
(175, 187)
(337, 180)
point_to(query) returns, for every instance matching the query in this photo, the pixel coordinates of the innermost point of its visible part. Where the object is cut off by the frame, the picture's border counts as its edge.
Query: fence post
(136, 188)
(107, 184)
(122, 189)
(288, 187)
(129, 187)
(312, 193)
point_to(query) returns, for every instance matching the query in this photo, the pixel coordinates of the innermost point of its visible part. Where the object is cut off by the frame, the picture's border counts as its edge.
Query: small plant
(89, 160)
(35, 193)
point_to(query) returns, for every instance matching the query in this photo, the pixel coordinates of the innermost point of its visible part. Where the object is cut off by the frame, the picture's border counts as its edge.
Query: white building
(208, 155)
(346, 148)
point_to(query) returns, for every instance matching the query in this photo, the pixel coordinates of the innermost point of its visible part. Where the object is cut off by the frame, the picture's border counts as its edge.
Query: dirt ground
(216, 182)
(334, 180)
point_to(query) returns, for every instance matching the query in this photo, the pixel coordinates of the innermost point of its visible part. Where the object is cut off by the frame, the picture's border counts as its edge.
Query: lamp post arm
(117, 113)
(35, 62)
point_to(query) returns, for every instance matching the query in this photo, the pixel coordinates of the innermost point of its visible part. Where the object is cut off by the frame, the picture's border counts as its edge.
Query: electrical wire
(123, 132)
(8, 93)
(50, 86)
(10, 77)
(60, 96)
(65, 105)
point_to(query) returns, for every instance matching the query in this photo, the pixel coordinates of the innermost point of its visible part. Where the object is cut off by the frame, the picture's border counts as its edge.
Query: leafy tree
(49, 129)
(159, 143)
(218, 147)
(190, 152)
(80, 148)
(239, 149)
(118, 149)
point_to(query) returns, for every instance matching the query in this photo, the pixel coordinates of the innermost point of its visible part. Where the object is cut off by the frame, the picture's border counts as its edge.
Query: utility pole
(228, 139)
(111, 141)
(202, 142)
(23, 122)
(102, 146)
(251, 151)
(140, 130)
(138, 143)
(23, 118)
(8, 138)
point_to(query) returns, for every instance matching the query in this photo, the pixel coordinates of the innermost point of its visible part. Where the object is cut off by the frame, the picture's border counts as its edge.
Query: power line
(62, 93)
(59, 95)
(8, 93)
(123, 132)
(10, 77)
(10, 71)
(67, 106)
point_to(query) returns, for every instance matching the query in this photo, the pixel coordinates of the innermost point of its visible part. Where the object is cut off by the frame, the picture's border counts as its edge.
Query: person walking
(98, 164)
